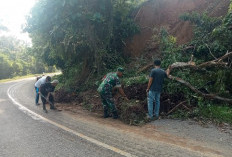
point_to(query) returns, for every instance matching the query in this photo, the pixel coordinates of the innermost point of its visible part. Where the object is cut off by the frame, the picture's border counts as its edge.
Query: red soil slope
(165, 13)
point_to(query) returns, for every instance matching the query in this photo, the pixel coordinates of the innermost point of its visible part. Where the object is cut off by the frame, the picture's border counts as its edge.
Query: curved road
(25, 131)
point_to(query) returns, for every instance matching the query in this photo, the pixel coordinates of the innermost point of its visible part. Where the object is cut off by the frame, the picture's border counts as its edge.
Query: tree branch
(145, 68)
(216, 62)
(208, 96)
(210, 51)
(180, 104)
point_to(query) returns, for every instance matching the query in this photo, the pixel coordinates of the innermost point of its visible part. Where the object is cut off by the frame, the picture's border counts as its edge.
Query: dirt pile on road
(165, 14)
(132, 112)
(168, 101)
(136, 91)
(63, 96)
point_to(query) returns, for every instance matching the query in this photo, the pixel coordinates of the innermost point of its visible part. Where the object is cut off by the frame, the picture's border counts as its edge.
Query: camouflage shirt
(111, 80)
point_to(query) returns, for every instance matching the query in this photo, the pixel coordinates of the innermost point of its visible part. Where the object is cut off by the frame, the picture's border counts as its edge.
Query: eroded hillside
(165, 13)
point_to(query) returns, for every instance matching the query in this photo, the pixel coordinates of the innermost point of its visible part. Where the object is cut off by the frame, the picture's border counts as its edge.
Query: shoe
(115, 115)
(53, 108)
(37, 104)
(150, 119)
(45, 111)
(157, 118)
(106, 115)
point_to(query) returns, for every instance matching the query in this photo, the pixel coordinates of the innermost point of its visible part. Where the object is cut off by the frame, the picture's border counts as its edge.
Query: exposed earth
(156, 14)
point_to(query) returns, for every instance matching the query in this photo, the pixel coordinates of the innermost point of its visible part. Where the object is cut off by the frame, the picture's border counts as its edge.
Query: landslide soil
(136, 93)
(165, 13)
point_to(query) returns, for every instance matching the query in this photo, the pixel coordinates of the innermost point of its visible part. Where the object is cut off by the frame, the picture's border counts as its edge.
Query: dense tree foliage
(212, 39)
(84, 38)
(81, 37)
(16, 59)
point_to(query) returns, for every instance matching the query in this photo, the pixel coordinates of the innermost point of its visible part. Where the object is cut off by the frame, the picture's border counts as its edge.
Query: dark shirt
(158, 76)
(46, 88)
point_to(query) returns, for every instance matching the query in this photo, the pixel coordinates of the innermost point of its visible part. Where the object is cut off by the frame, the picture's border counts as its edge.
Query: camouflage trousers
(108, 102)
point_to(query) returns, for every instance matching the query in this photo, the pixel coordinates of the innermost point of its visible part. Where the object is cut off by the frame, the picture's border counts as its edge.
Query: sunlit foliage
(81, 37)
(16, 59)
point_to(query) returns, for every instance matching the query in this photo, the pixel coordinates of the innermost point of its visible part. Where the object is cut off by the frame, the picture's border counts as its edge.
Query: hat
(55, 81)
(120, 69)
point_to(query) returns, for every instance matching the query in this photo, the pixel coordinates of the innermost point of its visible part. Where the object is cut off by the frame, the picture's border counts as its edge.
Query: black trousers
(51, 100)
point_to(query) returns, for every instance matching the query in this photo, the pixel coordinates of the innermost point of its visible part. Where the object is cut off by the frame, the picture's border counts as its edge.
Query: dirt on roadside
(188, 134)
(132, 112)
(174, 132)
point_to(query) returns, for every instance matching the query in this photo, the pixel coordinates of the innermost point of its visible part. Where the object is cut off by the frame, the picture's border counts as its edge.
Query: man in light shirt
(41, 81)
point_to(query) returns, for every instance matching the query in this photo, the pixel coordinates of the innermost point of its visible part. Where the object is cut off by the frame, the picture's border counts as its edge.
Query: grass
(215, 113)
(132, 112)
(218, 113)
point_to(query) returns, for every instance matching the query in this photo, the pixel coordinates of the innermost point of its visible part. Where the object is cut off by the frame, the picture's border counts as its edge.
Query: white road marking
(39, 117)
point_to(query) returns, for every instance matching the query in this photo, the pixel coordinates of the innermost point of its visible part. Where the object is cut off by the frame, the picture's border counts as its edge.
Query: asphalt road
(25, 131)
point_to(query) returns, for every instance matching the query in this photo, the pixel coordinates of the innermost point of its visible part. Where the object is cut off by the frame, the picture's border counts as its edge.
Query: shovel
(48, 100)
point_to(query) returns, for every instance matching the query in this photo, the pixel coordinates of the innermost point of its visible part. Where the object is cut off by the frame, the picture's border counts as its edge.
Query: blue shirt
(158, 76)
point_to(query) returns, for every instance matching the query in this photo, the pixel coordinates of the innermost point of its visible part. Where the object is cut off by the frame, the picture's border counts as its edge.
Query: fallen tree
(214, 63)
(218, 62)
(208, 96)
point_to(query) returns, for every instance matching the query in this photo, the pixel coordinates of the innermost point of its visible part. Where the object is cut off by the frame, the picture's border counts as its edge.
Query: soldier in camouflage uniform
(110, 81)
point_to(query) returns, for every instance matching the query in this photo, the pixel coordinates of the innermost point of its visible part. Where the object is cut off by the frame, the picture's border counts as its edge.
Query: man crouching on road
(38, 83)
(46, 95)
(110, 81)
(154, 89)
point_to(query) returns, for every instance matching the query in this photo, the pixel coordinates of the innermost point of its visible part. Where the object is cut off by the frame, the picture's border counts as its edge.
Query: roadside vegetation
(86, 39)
(17, 59)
